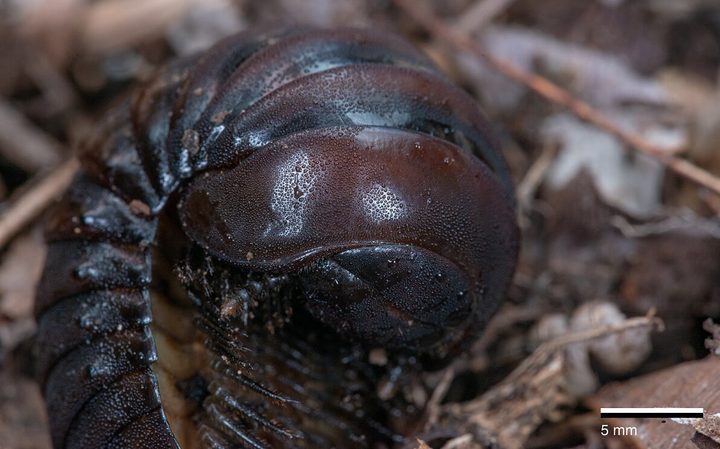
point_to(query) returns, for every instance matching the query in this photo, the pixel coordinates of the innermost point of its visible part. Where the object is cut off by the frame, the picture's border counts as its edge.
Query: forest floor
(608, 112)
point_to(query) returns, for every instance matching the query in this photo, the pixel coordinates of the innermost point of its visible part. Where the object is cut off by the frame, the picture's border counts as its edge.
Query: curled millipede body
(248, 226)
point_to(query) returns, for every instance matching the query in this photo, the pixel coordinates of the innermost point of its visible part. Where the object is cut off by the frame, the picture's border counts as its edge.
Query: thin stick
(24, 144)
(31, 202)
(545, 351)
(114, 25)
(433, 404)
(461, 441)
(551, 91)
(650, 320)
(534, 177)
(513, 409)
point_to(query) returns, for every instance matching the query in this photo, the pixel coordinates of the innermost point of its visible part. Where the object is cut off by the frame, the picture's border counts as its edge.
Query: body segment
(319, 194)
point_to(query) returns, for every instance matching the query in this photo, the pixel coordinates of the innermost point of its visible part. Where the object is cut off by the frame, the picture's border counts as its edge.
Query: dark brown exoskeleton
(320, 195)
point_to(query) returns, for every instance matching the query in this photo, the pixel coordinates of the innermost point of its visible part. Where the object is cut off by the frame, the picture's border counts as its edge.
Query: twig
(649, 320)
(58, 93)
(23, 144)
(560, 96)
(687, 224)
(480, 14)
(545, 351)
(534, 177)
(457, 442)
(508, 413)
(31, 202)
(438, 394)
(117, 24)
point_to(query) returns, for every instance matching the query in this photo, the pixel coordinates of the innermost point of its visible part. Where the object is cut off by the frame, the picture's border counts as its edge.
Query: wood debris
(534, 393)
(691, 384)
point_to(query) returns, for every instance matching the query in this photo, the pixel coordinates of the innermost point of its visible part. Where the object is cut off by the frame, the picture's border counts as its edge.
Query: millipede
(251, 227)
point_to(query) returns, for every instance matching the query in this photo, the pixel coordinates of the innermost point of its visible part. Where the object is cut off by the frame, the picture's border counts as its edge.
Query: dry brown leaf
(691, 384)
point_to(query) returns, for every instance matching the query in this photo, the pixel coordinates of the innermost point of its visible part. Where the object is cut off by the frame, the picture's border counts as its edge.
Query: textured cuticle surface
(249, 225)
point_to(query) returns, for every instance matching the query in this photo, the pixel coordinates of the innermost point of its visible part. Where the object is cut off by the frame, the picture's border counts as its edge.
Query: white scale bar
(654, 412)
